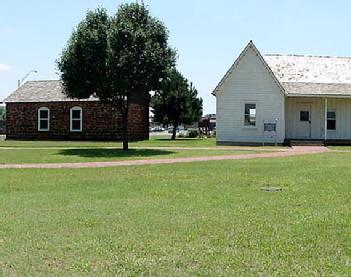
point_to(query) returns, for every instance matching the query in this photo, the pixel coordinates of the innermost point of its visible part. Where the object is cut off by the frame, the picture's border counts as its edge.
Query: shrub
(192, 133)
(181, 135)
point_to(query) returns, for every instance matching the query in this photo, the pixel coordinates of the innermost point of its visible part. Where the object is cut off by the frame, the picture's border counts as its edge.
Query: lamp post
(19, 82)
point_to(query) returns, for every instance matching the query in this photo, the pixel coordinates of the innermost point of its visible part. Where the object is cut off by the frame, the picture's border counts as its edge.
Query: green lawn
(155, 141)
(78, 154)
(199, 219)
(347, 148)
(158, 141)
(79, 151)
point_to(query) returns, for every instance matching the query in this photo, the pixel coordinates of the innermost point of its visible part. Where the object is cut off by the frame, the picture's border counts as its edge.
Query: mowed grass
(84, 151)
(20, 155)
(154, 141)
(199, 219)
(346, 148)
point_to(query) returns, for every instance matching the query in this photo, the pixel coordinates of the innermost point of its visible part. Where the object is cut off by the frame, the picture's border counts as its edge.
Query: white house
(305, 98)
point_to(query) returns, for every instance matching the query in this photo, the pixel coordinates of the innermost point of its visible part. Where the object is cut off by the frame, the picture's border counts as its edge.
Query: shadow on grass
(114, 153)
(179, 139)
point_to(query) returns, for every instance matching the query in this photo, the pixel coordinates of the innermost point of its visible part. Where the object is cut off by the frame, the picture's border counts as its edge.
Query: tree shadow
(179, 139)
(113, 153)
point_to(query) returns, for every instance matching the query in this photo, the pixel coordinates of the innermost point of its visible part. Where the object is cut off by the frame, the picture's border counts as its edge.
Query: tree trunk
(125, 137)
(174, 133)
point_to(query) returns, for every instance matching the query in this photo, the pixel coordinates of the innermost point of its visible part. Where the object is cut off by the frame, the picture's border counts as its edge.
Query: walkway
(295, 151)
(240, 148)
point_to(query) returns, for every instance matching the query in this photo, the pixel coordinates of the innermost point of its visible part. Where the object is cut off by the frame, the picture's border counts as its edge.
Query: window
(331, 120)
(76, 119)
(250, 115)
(304, 116)
(43, 119)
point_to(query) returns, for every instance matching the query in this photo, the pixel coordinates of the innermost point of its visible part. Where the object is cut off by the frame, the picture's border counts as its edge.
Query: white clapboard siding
(342, 107)
(249, 82)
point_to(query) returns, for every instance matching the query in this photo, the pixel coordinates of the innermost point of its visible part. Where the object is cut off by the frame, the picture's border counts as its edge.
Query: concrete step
(306, 143)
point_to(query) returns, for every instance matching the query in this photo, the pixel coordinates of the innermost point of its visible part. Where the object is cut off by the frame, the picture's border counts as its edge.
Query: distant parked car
(170, 130)
(180, 128)
(157, 129)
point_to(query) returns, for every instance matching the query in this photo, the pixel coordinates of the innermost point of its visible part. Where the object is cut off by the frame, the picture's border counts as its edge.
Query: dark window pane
(304, 115)
(250, 121)
(76, 125)
(249, 107)
(76, 114)
(331, 124)
(331, 115)
(44, 124)
(44, 114)
(247, 120)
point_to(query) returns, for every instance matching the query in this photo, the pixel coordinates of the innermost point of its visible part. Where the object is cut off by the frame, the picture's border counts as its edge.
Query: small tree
(119, 59)
(2, 112)
(176, 102)
(2, 119)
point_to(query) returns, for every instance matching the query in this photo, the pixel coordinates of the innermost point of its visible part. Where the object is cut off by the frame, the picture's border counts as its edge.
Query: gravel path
(298, 150)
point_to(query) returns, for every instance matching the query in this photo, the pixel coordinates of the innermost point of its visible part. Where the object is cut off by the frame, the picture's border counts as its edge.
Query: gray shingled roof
(310, 69)
(41, 91)
(317, 89)
(312, 75)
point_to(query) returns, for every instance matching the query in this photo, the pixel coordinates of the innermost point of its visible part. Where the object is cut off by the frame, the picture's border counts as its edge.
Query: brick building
(40, 110)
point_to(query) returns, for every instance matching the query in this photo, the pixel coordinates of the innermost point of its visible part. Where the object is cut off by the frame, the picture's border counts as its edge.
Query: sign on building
(270, 128)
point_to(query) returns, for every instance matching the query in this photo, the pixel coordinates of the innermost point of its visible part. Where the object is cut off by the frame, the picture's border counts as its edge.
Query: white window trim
(71, 119)
(243, 121)
(48, 119)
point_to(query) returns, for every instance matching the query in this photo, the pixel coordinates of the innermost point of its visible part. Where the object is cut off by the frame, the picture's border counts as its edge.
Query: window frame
(304, 112)
(76, 108)
(244, 121)
(331, 119)
(41, 119)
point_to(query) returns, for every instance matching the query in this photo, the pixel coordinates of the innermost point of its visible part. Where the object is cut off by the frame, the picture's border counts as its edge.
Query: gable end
(236, 63)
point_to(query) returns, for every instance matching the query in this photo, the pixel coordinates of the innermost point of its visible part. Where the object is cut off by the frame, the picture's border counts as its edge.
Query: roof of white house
(300, 75)
(317, 89)
(41, 91)
(310, 69)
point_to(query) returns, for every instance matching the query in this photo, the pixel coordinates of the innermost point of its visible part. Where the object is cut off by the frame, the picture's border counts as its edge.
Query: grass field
(19, 155)
(78, 151)
(347, 148)
(155, 141)
(203, 219)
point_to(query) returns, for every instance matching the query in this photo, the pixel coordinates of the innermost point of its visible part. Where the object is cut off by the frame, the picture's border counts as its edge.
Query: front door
(304, 121)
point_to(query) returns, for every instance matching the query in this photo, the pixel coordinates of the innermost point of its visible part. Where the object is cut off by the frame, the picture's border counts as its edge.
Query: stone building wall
(101, 121)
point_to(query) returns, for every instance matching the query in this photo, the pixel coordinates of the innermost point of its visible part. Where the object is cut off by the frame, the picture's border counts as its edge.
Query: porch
(326, 119)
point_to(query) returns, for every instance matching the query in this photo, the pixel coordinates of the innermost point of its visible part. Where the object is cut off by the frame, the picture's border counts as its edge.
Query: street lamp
(19, 82)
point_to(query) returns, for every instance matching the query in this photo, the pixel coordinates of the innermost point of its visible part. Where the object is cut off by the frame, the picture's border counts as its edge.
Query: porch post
(325, 119)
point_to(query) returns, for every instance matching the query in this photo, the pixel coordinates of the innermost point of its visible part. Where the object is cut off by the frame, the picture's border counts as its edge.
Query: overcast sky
(208, 35)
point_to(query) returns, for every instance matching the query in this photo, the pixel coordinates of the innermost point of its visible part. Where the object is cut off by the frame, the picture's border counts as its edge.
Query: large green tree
(176, 102)
(118, 59)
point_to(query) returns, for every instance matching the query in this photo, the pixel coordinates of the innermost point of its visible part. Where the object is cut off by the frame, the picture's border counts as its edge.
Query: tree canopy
(117, 58)
(2, 112)
(176, 102)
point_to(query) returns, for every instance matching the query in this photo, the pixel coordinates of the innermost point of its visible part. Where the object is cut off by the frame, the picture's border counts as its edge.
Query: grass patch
(69, 155)
(348, 148)
(155, 141)
(208, 218)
